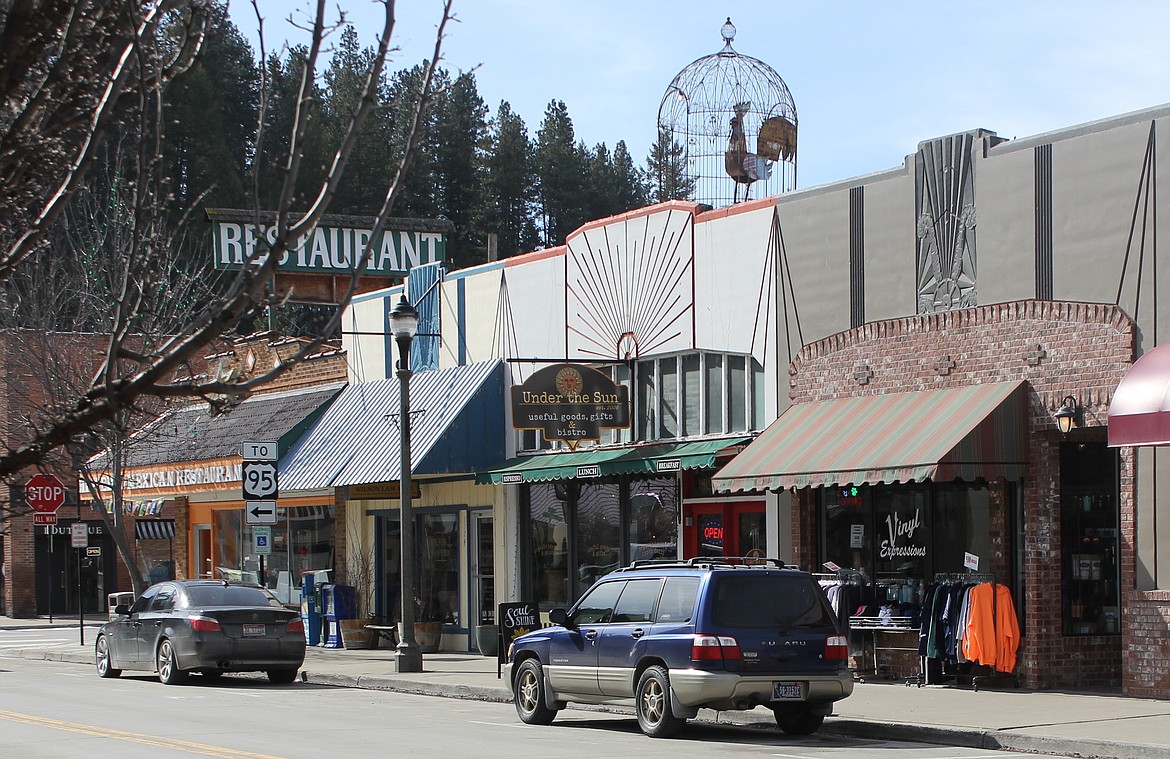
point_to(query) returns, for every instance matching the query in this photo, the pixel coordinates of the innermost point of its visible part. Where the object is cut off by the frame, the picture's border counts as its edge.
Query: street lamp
(404, 326)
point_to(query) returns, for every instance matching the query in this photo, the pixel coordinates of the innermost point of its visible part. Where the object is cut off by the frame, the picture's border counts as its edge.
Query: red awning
(1140, 411)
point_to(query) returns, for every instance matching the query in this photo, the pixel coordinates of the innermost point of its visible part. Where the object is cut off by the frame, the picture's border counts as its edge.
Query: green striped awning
(601, 462)
(962, 433)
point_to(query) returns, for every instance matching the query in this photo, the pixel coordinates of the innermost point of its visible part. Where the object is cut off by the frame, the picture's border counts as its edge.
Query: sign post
(260, 489)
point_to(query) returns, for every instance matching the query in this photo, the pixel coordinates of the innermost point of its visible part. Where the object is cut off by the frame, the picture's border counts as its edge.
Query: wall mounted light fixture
(1068, 415)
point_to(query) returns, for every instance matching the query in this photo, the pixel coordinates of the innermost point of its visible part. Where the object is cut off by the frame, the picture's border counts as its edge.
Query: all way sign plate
(260, 512)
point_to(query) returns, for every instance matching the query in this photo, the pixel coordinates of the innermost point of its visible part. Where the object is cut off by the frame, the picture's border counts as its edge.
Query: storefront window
(548, 529)
(900, 537)
(302, 541)
(578, 531)
(438, 568)
(653, 520)
(1089, 518)
(598, 532)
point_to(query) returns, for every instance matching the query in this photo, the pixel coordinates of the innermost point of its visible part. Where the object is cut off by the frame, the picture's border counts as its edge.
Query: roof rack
(708, 562)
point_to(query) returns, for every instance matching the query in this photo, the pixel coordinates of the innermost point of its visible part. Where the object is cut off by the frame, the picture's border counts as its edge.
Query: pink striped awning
(964, 433)
(1139, 413)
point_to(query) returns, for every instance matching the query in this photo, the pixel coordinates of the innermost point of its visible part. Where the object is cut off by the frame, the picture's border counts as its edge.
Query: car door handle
(590, 634)
(637, 632)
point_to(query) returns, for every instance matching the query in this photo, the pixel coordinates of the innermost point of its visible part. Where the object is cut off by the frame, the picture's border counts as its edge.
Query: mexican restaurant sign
(570, 402)
(334, 247)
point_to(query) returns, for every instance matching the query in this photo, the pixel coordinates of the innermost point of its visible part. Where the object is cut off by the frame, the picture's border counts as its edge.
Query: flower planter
(428, 635)
(487, 639)
(354, 633)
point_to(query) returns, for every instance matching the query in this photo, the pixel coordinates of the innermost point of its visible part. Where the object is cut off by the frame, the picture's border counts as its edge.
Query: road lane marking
(105, 732)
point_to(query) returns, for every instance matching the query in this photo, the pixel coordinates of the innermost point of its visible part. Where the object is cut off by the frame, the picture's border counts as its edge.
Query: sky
(870, 79)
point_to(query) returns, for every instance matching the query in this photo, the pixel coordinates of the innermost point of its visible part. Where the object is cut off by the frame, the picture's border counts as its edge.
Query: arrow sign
(260, 512)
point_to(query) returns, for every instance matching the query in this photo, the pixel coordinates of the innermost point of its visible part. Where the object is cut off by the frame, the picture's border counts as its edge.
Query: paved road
(51, 709)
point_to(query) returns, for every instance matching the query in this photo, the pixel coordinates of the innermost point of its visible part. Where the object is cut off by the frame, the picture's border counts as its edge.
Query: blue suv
(675, 636)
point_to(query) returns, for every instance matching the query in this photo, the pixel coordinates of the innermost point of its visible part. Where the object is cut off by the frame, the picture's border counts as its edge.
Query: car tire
(528, 694)
(653, 705)
(101, 652)
(797, 720)
(282, 676)
(168, 668)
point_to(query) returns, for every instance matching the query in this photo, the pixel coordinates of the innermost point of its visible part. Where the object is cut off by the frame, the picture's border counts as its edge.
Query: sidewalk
(1030, 721)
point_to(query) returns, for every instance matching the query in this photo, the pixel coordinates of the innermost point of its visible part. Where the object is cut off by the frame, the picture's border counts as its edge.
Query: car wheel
(797, 720)
(282, 676)
(101, 652)
(168, 669)
(528, 694)
(653, 705)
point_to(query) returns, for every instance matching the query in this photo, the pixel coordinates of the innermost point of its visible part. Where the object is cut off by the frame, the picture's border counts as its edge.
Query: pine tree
(369, 163)
(666, 170)
(211, 121)
(509, 195)
(561, 170)
(460, 130)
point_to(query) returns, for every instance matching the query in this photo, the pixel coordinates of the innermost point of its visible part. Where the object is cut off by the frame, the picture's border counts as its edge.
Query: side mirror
(559, 616)
(122, 610)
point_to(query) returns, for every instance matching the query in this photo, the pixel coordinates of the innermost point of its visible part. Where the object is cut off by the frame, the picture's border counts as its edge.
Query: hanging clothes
(993, 631)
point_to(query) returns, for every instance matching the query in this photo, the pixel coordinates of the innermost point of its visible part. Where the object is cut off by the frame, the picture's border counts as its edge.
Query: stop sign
(44, 493)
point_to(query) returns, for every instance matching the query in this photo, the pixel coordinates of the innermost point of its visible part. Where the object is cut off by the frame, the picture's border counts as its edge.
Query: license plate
(787, 692)
(253, 629)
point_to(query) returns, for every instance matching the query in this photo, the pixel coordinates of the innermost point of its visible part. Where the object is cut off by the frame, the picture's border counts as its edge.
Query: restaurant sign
(570, 402)
(328, 249)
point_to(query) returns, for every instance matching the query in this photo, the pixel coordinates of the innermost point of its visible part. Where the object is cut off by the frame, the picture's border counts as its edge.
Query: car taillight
(297, 626)
(204, 624)
(714, 648)
(836, 647)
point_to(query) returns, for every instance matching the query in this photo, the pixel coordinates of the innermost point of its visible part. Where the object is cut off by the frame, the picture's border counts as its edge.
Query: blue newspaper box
(311, 584)
(338, 602)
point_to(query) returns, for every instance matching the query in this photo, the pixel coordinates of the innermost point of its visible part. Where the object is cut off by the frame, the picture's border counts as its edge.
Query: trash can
(338, 603)
(116, 599)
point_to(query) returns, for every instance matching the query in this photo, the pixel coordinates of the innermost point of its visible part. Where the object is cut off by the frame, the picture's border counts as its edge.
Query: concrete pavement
(1081, 725)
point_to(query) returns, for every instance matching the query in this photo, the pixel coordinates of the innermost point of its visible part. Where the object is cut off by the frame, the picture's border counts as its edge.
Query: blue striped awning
(457, 427)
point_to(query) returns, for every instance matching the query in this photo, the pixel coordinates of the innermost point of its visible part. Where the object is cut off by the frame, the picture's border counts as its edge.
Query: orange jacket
(993, 631)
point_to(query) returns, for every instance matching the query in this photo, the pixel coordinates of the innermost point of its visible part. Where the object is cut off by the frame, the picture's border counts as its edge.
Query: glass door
(483, 581)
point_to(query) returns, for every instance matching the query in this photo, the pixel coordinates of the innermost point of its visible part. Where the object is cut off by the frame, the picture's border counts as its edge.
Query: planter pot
(487, 639)
(354, 633)
(428, 635)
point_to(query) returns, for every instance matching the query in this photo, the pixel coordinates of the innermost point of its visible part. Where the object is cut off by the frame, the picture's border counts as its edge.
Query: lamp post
(404, 326)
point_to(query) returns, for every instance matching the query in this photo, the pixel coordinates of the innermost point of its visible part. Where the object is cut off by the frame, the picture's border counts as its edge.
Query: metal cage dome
(735, 119)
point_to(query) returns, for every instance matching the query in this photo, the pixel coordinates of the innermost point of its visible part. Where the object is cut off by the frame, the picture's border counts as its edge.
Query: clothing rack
(978, 578)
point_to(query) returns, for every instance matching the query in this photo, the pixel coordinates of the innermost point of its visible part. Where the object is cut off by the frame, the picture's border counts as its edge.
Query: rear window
(230, 595)
(749, 599)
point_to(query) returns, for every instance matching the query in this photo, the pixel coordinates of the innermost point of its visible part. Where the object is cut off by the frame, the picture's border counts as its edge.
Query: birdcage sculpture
(735, 120)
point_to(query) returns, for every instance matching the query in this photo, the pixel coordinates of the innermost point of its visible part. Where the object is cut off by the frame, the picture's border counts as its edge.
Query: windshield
(751, 599)
(230, 595)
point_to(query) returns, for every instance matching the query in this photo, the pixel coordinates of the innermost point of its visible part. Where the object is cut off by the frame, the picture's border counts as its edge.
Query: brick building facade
(1058, 349)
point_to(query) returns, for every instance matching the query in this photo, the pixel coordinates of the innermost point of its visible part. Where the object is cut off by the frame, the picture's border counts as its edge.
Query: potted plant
(360, 573)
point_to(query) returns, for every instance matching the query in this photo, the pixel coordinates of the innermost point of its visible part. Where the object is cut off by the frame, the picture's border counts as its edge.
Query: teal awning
(601, 462)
